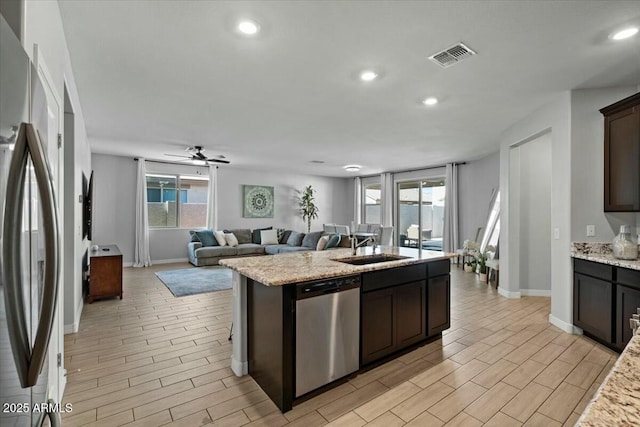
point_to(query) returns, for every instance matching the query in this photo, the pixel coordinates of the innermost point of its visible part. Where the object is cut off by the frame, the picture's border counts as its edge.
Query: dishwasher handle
(309, 290)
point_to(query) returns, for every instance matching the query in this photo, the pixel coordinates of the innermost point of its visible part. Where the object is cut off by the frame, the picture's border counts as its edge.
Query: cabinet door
(410, 313)
(593, 306)
(378, 326)
(438, 301)
(622, 161)
(628, 301)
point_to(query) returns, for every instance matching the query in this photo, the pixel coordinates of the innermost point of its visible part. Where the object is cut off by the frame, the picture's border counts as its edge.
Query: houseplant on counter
(308, 208)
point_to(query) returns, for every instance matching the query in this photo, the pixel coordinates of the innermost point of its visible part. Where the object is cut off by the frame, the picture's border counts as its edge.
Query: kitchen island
(304, 321)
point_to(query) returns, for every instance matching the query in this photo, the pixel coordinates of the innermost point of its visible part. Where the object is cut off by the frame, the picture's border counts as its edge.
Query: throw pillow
(220, 238)
(193, 237)
(333, 242)
(242, 234)
(295, 239)
(206, 237)
(311, 239)
(268, 237)
(284, 237)
(231, 239)
(322, 243)
(280, 233)
(256, 234)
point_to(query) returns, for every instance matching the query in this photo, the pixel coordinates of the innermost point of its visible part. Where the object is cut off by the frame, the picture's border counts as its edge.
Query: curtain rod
(412, 170)
(175, 163)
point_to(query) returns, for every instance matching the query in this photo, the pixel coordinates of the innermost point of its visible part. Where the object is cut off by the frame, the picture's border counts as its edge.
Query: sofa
(249, 245)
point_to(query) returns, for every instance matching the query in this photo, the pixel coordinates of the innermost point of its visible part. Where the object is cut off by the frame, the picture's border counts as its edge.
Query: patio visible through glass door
(421, 213)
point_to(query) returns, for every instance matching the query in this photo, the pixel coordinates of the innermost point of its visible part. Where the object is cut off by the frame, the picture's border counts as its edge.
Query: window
(421, 213)
(372, 195)
(177, 201)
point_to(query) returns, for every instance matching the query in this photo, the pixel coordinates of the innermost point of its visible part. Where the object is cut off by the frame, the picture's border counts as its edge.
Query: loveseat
(249, 244)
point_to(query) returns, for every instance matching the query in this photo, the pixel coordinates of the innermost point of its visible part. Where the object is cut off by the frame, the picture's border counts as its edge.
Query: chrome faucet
(355, 245)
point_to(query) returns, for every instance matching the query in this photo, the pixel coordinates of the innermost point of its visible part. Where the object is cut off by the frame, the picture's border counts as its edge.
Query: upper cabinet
(622, 155)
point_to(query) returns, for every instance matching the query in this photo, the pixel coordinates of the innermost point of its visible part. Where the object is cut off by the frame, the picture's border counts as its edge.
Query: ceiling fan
(198, 157)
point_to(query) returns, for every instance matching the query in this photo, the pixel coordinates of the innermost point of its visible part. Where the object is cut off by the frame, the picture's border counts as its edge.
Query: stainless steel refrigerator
(29, 242)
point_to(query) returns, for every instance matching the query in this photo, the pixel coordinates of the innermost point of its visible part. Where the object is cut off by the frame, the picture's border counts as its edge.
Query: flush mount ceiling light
(352, 168)
(624, 34)
(432, 100)
(368, 75)
(248, 28)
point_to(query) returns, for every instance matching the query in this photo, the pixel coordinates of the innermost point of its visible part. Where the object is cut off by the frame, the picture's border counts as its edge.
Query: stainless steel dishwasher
(327, 332)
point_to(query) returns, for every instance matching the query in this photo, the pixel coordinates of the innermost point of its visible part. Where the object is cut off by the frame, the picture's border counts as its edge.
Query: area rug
(192, 281)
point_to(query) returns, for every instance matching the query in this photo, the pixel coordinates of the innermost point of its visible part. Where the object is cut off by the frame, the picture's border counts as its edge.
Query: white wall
(476, 182)
(587, 157)
(534, 158)
(553, 118)
(115, 189)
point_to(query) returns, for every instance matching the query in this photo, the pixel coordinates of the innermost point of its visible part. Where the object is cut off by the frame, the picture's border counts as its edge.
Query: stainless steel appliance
(28, 240)
(327, 332)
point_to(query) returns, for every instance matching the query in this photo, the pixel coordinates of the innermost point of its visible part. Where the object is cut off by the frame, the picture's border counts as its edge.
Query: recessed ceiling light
(248, 28)
(430, 101)
(352, 168)
(368, 75)
(624, 34)
(317, 162)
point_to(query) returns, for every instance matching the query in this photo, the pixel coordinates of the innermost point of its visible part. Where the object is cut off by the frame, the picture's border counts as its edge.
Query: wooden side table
(105, 273)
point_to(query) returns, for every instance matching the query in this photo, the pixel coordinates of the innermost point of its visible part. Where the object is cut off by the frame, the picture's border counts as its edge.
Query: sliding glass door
(421, 213)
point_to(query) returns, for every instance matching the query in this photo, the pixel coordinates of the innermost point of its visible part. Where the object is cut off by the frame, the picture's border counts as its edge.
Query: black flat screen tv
(87, 205)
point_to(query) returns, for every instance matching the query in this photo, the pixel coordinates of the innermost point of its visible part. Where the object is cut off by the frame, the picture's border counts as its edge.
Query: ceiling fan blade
(200, 155)
(226, 162)
(177, 155)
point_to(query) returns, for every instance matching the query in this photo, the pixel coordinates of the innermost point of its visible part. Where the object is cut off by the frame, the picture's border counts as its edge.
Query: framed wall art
(258, 201)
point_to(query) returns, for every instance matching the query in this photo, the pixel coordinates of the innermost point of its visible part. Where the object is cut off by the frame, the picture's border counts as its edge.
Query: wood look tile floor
(152, 359)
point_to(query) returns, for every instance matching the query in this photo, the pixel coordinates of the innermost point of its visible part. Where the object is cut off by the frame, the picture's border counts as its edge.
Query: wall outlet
(591, 230)
(556, 233)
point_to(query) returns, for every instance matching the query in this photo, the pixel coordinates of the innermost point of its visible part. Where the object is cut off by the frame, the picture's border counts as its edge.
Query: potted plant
(308, 208)
(470, 265)
(481, 258)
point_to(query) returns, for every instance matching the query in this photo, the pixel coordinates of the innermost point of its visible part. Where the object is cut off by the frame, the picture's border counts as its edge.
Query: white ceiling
(157, 76)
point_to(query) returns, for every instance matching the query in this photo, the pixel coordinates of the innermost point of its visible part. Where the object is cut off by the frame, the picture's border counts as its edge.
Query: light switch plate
(591, 230)
(556, 233)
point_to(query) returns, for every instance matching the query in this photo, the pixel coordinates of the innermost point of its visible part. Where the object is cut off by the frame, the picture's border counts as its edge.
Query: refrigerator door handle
(54, 417)
(29, 360)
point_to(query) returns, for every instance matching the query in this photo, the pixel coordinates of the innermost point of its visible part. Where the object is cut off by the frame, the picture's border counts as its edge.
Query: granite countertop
(617, 401)
(283, 269)
(602, 253)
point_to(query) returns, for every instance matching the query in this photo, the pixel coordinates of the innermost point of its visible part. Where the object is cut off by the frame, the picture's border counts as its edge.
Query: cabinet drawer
(393, 276)
(595, 269)
(438, 268)
(629, 277)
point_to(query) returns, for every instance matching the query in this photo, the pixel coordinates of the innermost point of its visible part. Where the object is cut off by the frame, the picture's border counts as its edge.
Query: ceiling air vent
(452, 55)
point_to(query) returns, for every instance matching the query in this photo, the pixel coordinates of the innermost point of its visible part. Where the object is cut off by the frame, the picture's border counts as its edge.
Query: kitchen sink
(371, 259)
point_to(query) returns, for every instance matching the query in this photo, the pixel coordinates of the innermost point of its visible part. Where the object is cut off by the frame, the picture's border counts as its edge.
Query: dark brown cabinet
(604, 298)
(592, 306)
(403, 306)
(438, 300)
(105, 273)
(627, 303)
(622, 155)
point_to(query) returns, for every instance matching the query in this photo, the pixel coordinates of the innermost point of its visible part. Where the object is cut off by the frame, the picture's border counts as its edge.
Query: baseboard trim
(566, 327)
(535, 292)
(73, 328)
(170, 261)
(239, 368)
(508, 294)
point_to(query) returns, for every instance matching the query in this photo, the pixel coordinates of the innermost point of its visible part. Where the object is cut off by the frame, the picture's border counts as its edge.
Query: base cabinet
(439, 304)
(592, 308)
(604, 298)
(627, 303)
(403, 306)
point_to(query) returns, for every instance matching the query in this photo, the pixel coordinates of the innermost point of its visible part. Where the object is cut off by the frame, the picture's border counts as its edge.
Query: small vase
(483, 277)
(625, 246)
(468, 268)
